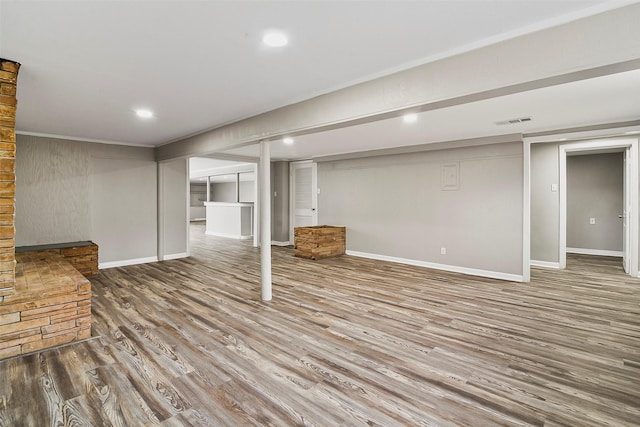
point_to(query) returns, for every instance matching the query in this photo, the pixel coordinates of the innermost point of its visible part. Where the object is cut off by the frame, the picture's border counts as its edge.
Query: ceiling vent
(514, 121)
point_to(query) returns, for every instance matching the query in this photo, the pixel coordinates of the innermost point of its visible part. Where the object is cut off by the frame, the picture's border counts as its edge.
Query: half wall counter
(227, 219)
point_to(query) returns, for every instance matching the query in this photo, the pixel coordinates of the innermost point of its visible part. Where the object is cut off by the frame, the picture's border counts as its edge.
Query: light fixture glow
(275, 38)
(144, 114)
(288, 140)
(410, 118)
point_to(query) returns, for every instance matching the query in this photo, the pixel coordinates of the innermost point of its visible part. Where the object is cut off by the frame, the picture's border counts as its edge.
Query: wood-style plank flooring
(345, 342)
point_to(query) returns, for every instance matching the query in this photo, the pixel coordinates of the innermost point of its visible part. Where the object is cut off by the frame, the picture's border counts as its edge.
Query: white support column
(265, 219)
(237, 187)
(208, 189)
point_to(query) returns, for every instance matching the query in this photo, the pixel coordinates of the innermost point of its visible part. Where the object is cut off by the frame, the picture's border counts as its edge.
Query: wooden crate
(320, 241)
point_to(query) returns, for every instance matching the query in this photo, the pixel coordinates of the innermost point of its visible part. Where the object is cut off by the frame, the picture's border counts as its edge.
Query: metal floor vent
(514, 121)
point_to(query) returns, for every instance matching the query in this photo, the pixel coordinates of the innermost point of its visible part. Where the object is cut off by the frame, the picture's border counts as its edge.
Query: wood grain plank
(345, 341)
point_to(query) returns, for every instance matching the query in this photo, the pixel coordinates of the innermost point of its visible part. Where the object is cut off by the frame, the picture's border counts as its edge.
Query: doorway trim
(630, 144)
(292, 195)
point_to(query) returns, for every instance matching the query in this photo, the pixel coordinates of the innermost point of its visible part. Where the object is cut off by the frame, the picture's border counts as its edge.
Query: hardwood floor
(345, 341)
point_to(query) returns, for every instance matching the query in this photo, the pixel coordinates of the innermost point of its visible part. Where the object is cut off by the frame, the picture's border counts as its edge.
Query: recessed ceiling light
(275, 38)
(288, 140)
(410, 118)
(144, 114)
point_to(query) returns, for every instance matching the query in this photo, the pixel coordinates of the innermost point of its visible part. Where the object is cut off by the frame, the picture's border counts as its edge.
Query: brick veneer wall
(44, 300)
(8, 82)
(51, 305)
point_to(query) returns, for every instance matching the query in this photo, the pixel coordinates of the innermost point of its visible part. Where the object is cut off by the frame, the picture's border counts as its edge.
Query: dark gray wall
(399, 206)
(280, 201)
(174, 175)
(594, 190)
(226, 191)
(545, 203)
(223, 192)
(197, 194)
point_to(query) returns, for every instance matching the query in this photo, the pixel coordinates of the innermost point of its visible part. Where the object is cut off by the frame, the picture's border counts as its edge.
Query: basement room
(345, 213)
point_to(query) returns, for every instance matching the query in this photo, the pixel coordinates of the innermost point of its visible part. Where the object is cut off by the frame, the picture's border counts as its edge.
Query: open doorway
(223, 194)
(588, 191)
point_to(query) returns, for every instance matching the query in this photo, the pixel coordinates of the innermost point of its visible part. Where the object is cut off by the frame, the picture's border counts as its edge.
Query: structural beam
(607, 44)
(265, 220)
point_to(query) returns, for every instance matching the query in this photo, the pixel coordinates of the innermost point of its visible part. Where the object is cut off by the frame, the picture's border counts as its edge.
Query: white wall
(396, 206)
(70, 191)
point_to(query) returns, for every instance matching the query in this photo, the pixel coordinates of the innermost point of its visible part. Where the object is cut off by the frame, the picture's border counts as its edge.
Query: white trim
(274, 243)
(544, 264)
(526, 211)
(228, 236)
(175, 256)
(241, 204)
(626, 143)
(222, 170)
(314, 195)
(436, 266)
(74, 138)
(125, 262)
(160, 207)
(600, 252)
(255, 222)
(187, 228)
(562, 225)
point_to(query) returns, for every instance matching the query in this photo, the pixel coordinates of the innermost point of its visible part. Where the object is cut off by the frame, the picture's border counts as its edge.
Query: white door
(304, 195)
(626, 212)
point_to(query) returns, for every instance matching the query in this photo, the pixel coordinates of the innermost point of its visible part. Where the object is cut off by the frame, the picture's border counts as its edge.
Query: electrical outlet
(592, 221)
(443, 251)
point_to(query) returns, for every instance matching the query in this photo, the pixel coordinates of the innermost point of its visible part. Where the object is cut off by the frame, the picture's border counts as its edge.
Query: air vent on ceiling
(514, 121)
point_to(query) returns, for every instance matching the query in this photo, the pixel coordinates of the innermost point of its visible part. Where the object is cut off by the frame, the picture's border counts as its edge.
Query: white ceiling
(87, 65)
(609, 99)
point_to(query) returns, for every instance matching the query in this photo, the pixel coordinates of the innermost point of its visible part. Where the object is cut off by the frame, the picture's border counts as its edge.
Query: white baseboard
(274, 243)
(175, 256)
(125, 262)
(228, 236)
(600, 252)
(544, 264)
(436, 266)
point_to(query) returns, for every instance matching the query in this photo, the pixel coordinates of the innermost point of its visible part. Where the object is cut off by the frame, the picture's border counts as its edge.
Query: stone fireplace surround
(44, 300)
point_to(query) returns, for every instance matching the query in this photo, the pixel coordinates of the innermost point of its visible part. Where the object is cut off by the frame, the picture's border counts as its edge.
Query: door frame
(630, 144)
(292, 195)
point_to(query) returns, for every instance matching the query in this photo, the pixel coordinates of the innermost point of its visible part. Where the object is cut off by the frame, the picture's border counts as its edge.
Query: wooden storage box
(321, 241)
